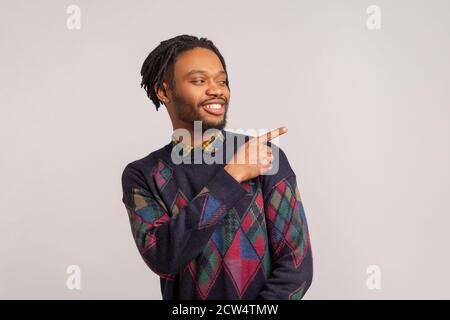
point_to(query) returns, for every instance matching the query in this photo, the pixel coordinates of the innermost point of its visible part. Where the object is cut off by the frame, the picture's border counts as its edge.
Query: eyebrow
(203, 72)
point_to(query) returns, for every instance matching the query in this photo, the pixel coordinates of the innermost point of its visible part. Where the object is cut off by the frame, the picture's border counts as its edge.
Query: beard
(190, 113)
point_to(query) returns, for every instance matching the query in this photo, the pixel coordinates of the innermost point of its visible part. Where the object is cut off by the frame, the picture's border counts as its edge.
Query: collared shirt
(209, 145)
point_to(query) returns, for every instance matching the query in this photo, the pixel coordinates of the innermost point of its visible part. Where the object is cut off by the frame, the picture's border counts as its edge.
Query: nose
(214, 89)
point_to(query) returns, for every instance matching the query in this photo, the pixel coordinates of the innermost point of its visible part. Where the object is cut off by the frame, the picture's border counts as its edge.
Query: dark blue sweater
(208, 236)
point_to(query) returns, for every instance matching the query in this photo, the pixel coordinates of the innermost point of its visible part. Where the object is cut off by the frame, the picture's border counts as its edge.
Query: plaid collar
(210, 145)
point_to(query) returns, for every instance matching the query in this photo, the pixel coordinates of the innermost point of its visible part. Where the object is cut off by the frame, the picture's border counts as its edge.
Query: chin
(209, 125)
(206, 124)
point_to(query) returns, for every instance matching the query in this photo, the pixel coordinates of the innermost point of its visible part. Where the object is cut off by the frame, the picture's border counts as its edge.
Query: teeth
(213, 106)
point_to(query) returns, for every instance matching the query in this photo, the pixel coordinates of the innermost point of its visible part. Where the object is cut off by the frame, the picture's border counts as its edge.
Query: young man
(224, 230)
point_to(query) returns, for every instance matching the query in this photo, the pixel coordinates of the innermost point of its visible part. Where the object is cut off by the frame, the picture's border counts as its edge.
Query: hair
(159, 64)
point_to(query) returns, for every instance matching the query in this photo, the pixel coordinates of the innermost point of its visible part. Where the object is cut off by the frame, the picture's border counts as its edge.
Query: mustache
(217, 100)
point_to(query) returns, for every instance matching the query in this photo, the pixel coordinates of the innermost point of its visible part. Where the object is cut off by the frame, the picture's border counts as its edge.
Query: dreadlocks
(159, 64)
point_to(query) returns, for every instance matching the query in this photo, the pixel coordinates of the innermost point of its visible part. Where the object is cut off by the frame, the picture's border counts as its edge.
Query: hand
(254, 157)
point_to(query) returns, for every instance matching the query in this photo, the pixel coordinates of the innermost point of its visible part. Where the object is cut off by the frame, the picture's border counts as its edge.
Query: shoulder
(137, 172)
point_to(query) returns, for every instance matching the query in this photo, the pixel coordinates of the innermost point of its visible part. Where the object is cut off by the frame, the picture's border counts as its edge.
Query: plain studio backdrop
(368, 112)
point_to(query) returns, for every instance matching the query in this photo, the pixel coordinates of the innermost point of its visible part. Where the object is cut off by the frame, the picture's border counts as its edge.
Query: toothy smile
(216, 109)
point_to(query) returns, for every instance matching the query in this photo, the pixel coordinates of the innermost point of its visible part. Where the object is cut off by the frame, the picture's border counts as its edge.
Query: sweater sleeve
(167, 242)
(290, 247)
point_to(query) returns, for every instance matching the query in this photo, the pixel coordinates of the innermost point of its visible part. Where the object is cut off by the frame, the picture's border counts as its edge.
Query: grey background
(367, 112)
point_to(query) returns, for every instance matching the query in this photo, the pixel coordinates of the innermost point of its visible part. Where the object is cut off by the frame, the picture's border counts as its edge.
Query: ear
(162, 93)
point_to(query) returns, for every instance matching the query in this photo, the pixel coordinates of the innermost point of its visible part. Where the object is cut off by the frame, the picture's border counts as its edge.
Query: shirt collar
(210, 145)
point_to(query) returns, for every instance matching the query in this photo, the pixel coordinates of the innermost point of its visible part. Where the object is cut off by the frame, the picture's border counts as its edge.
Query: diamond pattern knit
(208, 236)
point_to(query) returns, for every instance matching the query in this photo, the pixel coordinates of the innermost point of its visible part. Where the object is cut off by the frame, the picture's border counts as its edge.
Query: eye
(200, 81)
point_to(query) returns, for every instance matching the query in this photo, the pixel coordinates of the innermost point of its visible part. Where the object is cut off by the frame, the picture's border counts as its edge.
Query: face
(200, 91)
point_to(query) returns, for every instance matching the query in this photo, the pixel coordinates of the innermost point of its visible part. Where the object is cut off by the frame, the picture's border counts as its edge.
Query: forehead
(197, 59)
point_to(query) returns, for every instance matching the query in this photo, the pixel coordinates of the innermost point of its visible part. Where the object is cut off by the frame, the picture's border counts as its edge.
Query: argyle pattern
(288, 222)
(288, 232)
(228, 240)
(238, 247)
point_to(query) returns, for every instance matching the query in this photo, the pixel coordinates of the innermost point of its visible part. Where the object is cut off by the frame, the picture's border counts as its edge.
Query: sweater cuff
(225, 188)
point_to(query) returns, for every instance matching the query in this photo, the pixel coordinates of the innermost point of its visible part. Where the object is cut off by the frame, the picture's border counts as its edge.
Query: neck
(196, 137)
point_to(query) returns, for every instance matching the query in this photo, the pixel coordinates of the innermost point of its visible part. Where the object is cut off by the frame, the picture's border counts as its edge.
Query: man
(226, 230)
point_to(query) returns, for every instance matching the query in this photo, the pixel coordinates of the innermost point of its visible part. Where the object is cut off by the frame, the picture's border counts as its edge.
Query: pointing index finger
(272, 134)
